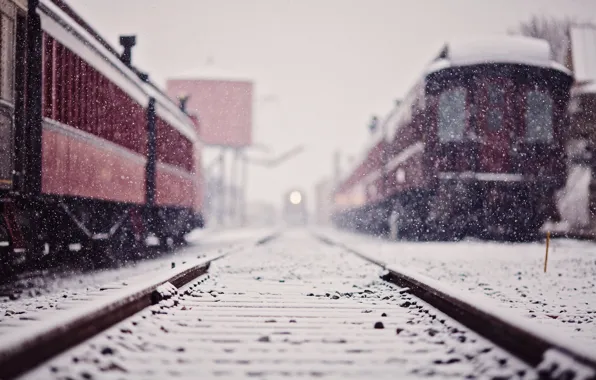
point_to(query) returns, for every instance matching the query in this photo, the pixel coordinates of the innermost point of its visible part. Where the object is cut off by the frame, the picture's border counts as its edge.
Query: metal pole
(34, 101)
(151, 154)
(384, 158)
(222, 188)
(33, 130)
(233, 214)
(243, 183)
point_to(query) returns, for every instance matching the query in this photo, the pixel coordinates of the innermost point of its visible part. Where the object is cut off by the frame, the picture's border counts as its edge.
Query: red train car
(477, 147)
(94, 153)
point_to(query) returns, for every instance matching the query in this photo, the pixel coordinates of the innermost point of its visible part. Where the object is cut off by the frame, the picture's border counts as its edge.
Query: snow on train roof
(465, 52)
(501, 49)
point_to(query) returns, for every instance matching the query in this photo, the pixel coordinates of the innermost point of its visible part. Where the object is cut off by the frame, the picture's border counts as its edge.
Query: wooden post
(546, 254)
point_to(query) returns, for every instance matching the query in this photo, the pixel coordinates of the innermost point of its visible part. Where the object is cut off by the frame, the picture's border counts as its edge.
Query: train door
(494, 125)
(8, 14)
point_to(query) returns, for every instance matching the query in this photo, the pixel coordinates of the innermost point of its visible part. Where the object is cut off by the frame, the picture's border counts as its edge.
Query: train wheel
(126, 244)
(179, 240)
(449, 230)
(6, 267)
(97, 255)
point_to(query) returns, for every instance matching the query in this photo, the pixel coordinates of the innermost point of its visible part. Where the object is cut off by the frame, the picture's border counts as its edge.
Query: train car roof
(502, 49)
(59, 18)
(466, 52)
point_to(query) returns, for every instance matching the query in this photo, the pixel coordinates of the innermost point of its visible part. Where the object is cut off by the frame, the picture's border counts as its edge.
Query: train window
(452, 115)
(496, 101)
(7, 53)
(539, 116)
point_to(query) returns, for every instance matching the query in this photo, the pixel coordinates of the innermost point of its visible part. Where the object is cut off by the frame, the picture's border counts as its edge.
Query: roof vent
(182, 100)
(127, 43)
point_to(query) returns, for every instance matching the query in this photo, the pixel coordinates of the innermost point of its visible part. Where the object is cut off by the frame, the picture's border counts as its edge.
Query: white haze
(322, 68)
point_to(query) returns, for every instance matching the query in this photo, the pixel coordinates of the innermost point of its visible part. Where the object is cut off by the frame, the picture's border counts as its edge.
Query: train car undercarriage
(52, 229)
(512, 211)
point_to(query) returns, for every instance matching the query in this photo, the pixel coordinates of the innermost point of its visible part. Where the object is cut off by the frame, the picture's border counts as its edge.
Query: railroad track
(295, 306)
(551, 357)
(22, 351)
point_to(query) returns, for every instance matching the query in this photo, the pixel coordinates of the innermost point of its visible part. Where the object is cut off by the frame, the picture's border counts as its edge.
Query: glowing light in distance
(295, 197)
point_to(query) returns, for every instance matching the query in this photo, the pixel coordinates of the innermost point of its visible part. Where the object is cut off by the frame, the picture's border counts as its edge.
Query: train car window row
(76, 94)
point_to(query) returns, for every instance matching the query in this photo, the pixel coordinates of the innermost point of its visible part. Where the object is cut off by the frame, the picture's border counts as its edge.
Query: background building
(224, 109)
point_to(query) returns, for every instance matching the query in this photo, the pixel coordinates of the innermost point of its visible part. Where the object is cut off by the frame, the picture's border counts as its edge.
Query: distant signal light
(295, 197)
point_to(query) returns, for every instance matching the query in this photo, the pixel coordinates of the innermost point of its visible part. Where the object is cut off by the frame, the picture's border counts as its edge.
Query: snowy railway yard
(512, 274)
(300, 305)
(423, 251)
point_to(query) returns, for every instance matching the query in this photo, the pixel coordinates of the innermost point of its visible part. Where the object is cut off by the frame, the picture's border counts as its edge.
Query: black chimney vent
(127, 43)
(144, 76)
(182, 100)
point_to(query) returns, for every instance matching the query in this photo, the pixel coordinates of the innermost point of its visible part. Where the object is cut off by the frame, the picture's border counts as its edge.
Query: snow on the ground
(225, 235)
(512, 274)
(293, 307)
(55, 290)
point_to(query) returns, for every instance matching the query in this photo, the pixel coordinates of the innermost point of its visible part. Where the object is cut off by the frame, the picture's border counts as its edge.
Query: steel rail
(27, 352)
(552, 359)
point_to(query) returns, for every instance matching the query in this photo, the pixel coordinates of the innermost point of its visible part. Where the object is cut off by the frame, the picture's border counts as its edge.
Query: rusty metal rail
(292, 308)
(552, 357)
(22, 352)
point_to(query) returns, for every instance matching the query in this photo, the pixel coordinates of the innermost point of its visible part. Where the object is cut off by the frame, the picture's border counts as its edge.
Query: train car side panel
(175, 181)
(174, 187)
(82, 165)
(105, 160)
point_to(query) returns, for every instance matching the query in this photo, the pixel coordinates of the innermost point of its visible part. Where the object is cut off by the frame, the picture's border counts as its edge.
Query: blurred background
(318, 71)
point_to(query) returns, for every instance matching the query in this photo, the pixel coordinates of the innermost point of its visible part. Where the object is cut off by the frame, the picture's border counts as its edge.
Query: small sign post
(546, 254)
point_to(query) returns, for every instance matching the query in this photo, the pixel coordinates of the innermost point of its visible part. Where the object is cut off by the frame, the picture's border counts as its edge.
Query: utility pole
(243, 183)
(236, 187)
(221, 212)
(384, 145)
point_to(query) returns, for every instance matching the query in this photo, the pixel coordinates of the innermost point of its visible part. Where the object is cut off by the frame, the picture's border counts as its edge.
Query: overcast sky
(330, 64)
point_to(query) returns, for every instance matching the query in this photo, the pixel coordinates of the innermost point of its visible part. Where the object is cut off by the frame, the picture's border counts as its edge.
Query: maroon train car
(95, 153)
(477, 147)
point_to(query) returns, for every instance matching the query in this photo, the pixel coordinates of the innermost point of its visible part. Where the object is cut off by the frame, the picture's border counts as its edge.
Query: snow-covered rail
(552, 355)
(293, 307)
(21, 351)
